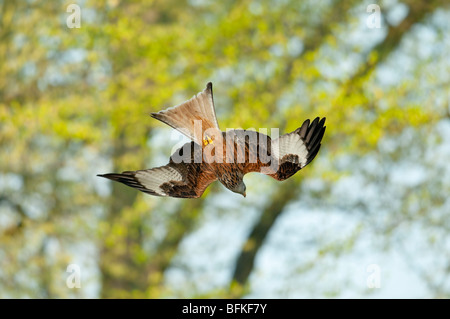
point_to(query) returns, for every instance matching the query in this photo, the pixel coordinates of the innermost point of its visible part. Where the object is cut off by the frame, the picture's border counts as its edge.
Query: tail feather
(193, 117)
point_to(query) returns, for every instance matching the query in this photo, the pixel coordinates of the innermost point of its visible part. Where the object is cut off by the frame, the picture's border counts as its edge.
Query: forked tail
(193, 117)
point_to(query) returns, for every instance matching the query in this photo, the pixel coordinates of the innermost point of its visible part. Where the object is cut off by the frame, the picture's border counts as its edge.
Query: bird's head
(234, 182)
(240, 189)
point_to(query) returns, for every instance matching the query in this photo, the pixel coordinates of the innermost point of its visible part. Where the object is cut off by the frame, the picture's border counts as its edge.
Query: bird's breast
(237, 150)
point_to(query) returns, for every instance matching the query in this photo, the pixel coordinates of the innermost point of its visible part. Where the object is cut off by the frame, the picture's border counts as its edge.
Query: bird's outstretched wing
(193, 117)
(183, 178)
(295, 150)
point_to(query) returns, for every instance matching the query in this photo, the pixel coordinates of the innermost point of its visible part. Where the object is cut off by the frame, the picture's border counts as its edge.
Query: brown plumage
(224, 156)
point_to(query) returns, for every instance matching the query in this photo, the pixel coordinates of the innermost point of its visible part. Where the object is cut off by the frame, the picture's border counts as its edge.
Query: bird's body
(225, 156)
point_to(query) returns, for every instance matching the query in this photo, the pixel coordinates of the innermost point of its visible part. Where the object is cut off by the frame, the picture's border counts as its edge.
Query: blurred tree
(74, 103)
(351, 88)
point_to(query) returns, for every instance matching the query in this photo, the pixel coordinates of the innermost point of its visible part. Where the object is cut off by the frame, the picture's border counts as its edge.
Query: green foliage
(75, 102)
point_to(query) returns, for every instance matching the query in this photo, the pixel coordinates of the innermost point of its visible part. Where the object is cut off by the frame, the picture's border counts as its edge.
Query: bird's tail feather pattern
(193, 117)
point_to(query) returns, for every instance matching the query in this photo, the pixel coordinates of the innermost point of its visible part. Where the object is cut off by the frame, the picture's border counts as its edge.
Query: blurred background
(368, 218)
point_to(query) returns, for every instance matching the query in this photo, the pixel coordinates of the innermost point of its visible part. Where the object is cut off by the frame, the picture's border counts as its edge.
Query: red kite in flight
(224, 156)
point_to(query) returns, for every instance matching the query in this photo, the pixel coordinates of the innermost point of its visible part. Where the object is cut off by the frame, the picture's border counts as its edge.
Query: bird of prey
(225, 156)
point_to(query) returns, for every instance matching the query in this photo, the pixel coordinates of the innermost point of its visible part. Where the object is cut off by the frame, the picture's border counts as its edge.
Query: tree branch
(286, 193)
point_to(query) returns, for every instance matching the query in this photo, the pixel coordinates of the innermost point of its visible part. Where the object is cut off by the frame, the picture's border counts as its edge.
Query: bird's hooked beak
(240, 189)
(244, 191)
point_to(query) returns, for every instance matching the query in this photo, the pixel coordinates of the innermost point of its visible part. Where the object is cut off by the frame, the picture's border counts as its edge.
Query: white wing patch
(290, 143)
(154, 178)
